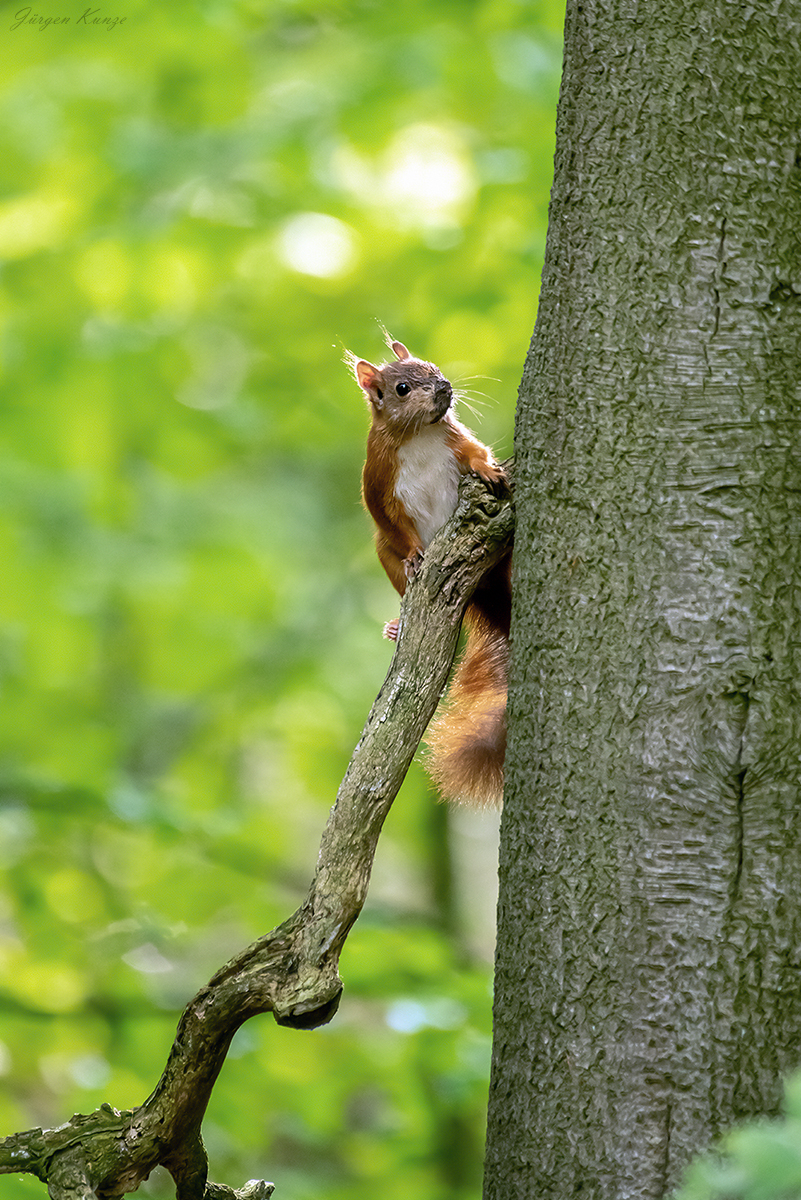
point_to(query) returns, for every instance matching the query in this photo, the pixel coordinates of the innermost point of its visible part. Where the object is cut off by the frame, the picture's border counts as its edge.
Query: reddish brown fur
(467, 741)
(396, 537)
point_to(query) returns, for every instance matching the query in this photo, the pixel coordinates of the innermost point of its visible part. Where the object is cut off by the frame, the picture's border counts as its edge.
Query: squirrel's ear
(365, 373)
(401, 350)
(367, 376)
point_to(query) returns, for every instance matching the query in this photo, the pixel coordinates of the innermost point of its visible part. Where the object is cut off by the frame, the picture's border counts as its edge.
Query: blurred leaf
(758, 1161)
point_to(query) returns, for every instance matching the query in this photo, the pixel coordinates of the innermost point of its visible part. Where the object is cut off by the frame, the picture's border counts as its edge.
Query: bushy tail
(467, 739)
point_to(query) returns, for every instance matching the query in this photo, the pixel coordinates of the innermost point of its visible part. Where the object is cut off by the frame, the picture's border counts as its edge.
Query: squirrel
(416, 452)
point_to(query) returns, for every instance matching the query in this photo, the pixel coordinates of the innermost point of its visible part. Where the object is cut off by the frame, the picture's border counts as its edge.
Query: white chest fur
(428, 480)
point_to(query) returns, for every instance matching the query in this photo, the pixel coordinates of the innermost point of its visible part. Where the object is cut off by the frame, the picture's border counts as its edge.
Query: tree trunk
(648, 989)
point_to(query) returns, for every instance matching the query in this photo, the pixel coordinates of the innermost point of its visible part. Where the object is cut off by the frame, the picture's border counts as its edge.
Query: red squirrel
(416, 452)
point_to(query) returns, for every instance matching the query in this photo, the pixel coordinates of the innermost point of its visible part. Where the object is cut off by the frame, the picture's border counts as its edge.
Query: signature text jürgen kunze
(91, 16)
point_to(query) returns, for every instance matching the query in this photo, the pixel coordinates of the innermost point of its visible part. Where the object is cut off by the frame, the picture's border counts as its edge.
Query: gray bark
(648, 987)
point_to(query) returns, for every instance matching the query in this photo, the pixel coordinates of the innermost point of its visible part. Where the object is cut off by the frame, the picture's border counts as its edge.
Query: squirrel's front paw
(412, 564)
(391, 630)
(494, 476)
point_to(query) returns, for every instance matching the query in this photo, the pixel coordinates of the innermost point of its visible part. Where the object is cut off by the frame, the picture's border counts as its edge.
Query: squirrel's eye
(402, 389)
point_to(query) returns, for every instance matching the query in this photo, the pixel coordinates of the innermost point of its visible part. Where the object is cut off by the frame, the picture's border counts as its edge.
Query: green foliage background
(760, 1160)
(199, 209)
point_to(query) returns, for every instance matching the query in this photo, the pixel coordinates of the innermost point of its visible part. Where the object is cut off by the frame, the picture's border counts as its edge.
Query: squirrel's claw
(495, 479)
(412, 564)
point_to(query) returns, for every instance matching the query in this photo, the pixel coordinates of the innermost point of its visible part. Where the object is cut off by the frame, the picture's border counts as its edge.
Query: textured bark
(292, 971)
(648, 986)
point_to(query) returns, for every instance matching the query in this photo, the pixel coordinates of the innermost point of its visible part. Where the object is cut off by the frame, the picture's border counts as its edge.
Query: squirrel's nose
(443, 395)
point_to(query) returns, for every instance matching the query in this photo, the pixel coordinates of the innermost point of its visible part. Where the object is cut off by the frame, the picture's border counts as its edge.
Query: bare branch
(292, 971)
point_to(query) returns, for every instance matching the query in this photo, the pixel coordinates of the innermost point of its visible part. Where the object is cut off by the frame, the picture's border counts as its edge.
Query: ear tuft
(401, 351)
(350, 360)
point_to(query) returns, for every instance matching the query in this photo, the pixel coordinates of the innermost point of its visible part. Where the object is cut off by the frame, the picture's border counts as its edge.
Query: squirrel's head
(403, 395)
